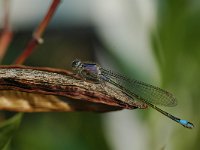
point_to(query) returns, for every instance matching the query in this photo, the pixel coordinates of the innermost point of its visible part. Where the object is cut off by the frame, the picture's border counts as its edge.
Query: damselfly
(141, 91)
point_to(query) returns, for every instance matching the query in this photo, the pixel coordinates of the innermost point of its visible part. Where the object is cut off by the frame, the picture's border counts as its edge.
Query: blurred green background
(154, 41)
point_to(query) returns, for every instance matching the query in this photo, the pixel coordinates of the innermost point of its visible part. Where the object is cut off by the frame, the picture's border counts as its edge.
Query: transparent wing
(149, 93)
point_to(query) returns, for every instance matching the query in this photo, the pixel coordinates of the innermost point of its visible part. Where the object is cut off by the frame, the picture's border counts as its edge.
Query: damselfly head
(76, 64)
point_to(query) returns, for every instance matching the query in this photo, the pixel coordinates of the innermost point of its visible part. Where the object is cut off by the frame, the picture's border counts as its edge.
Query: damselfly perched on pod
(148, 94)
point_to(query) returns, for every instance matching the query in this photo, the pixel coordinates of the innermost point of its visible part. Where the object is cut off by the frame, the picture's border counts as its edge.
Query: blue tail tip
(186, 123)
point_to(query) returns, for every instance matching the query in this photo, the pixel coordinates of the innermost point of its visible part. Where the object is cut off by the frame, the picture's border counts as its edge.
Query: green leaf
(8, 129)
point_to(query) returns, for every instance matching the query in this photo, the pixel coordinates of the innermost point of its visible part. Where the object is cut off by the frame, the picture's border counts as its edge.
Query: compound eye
(76, 63)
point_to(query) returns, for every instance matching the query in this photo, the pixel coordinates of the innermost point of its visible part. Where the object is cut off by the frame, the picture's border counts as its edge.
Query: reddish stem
(6, 35)
(37, 35)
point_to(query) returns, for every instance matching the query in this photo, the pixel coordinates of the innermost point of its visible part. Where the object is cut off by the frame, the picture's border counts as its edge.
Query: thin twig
(37, 35)
(7, 34)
